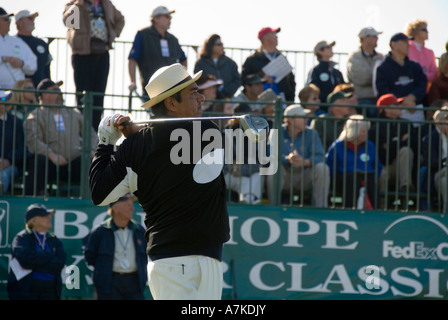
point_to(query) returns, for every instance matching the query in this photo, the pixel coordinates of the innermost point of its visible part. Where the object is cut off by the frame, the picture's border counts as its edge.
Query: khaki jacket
(58, 128)
(79, 39)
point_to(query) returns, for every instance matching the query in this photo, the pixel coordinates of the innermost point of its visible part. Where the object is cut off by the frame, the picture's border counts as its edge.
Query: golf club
(256, 128)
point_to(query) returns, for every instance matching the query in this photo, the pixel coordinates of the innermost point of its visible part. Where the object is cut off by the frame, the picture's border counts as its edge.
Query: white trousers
(185, 278)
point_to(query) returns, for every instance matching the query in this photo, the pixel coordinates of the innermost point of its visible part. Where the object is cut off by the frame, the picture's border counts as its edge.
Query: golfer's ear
(169, 104)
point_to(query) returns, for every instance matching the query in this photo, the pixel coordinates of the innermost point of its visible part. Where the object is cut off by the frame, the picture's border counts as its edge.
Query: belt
(125, 273)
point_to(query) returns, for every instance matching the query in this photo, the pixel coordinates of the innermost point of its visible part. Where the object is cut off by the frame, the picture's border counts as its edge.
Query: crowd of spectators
(391, 96)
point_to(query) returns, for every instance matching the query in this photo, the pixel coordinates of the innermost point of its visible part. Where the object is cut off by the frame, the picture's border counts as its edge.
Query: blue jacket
(50, 261)
(341, 157)
(99, 248)
(392, 77)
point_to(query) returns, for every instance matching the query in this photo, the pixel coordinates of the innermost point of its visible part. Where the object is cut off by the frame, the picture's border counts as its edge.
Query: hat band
(177, 84)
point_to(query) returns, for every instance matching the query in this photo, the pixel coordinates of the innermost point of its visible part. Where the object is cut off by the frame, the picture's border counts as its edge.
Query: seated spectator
(56, 134)
(353, 99)
(222, 108)
(243, 178)
(418, 33)
(208, 87)
(402, 77)
(324, 75)
(252, 87)
(25, 97)
(309, 98)
(268, 96)
(330, 125)
(213, 60)
(18, 60)
(353, 164)
(11, 144)
(434, 156)
(396, 142)
(303, 167)
(360, 66)
(439, 87)
(436, 105)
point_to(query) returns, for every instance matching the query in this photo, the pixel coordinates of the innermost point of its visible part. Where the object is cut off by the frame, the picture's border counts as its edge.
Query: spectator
(222, 108)
(154, 47)
(26, 97)
(208, 87)
(41, 254)
(268, 96)
(434, 157)
(54, 133)
(100, 24)
(25, 27)
(116, 250)
(360, 66)
(243, 178)
(353, 164)
(439, 87)
(17, 59)
(396, 143)
(309, 98)
(213, 60)
(330, 125)
(398, 75)
(268, 51)
(11, 144)
(252, 87)
(303, 166)
(418, 33)
(324, 75)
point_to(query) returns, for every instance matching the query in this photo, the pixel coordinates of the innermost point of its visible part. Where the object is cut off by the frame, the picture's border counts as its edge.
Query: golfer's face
(190, 106)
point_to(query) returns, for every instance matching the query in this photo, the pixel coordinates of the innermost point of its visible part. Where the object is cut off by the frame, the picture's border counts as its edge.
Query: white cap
(160, 10)
(368, 31)
(295, 110)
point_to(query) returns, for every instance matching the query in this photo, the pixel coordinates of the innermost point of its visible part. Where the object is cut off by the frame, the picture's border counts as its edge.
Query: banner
(278, 253)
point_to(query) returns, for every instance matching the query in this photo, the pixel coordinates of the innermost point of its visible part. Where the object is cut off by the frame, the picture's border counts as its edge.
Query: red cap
(388, 99)
(265, 31)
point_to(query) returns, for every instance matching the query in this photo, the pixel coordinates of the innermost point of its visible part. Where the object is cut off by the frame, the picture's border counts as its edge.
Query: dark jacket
(325, 76)
(225, 69)
(13, 140)
(24, 250)
(99, 248)
(431, 158)
(255, 63)
(391, 77)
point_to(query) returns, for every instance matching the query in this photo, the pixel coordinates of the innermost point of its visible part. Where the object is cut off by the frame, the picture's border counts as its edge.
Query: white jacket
(11, 46)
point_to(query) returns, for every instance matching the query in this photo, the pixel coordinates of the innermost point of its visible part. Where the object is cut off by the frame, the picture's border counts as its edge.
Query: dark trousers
(124, 287)
(90, 74)
(352, 188)
(37, 170)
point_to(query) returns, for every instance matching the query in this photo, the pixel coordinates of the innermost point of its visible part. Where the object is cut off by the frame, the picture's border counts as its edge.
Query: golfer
(185, 204)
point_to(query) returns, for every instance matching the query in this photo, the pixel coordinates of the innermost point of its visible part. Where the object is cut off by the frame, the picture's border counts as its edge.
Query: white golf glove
(107, 132)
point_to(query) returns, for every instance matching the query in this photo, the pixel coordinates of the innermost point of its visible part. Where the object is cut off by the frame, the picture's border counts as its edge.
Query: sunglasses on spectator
(424, 29)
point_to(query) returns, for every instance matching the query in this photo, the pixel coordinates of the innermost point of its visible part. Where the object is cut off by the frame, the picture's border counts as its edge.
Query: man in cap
(324, 75)
(116, 250)
(402, 77)
(41, 254)
(252, 87)
(56, 134)
(16, 58)
(154, 47)
(396, 141)
(303, 166)
(25, 26)
(434, 157)
(267, 52)
(360, 65)
(185, 201)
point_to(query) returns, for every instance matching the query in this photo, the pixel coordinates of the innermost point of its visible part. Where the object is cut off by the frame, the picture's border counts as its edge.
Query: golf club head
(256, 128)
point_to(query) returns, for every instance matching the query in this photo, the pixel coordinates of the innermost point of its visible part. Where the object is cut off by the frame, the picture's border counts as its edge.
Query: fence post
(278, 120)
(86, 143)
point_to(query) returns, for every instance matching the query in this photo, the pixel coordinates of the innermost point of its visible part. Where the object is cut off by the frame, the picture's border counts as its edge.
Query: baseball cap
(388, 99)
(161, 10)
(25, 13)
(47, 83)
(128, 196)
(4, 14)
(441, 114)
(252, 78)
(295, 110)
(268, 95)
(332, 97)
(399, 36)
(368, 31)
(37, 210)
(266, 30)
(322, 44)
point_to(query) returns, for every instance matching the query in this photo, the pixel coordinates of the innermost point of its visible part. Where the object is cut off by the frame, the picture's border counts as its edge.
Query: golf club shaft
(182, 119)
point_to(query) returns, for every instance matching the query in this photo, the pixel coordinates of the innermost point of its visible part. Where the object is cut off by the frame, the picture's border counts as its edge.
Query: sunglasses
(424, 29)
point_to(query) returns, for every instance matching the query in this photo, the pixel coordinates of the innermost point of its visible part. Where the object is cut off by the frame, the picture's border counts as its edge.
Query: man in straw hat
(186, 215)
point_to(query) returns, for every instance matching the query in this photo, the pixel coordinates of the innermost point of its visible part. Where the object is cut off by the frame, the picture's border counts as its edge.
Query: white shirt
(11, 46)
